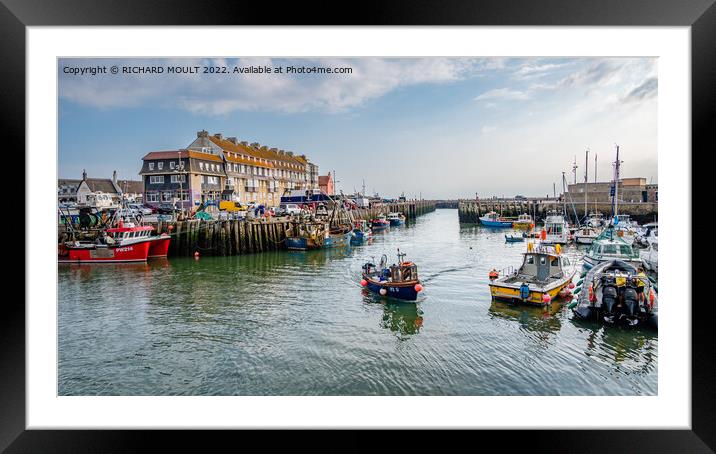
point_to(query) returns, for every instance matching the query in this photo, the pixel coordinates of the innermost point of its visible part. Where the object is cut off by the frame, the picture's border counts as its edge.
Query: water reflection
(531, 318)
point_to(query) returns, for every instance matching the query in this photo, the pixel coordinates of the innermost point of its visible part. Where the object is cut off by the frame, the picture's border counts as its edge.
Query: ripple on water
(298, 323)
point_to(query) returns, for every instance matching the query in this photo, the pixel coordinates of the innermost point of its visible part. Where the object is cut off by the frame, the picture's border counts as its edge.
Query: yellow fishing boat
(544, 276)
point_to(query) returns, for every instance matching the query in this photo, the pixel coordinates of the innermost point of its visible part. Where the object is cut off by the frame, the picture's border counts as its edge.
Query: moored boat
(380, 223)
(542, 277)
(586, 235)
(609, 245)
(397, 281)
(524, 221)
(492, 219)
(650, 257)
(125, 243)
(515, 238)
(306, 235)
(396, 219)
(361, 232)
(556, 230)
(615, 292)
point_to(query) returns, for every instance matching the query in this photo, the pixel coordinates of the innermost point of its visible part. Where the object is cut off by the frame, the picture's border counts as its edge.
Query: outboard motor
(631, 300)
(609, 296)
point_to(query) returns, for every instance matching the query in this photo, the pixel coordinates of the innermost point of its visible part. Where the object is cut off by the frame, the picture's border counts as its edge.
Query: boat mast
(595, 179)
(615, 192)
(586, 175)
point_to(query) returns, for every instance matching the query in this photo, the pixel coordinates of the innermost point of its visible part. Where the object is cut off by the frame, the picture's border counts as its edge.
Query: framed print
(359, 225)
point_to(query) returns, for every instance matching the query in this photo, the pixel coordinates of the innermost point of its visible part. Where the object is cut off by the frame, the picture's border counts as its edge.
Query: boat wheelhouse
(557, 231)
(307, 234)
(524, 221)
(543, 276)
(396, 219)
(586, 235)
(609, 245)
(381, 222)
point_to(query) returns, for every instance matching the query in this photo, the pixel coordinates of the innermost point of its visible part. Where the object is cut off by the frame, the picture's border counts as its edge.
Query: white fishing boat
(586, 235)
(555, 229)
(650, 256)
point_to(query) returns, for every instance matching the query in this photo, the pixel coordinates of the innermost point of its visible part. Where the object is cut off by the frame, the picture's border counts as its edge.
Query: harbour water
(298, 323)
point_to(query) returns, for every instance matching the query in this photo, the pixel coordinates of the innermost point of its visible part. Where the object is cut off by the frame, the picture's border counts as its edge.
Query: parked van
(229, 205)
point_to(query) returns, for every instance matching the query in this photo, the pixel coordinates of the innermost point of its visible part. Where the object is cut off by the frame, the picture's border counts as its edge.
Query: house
(325, 184)
(73, 190)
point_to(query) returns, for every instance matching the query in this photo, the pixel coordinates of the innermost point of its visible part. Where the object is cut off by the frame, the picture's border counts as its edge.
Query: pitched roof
(324, 179)
(100, 185)
(183, 154)
(131, 186)
(263, 153)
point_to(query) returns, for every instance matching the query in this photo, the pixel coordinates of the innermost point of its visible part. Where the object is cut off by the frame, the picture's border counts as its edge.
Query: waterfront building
(74, 190)
(325, 184)
(631, 190)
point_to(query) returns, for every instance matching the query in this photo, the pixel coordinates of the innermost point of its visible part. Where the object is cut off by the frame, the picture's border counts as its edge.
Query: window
(609, 249)
(625, 249)
(543, 260)
(178, 178)
(151, 166)
(530, 259)
(172, 164)
(156, 179)
(160, 165)
(152, 197)
(166, 196)
(201, 166)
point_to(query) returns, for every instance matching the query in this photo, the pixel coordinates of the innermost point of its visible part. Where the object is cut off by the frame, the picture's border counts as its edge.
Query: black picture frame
(16, 15)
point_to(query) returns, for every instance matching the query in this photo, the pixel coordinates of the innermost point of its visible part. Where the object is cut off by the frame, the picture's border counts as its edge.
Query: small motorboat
(397, 281)
(492, 219)
(396, 219)
(306, 235)
(515, 238)
(650, 257)
(556, 229)
(609, 245)
(380, 223)
(617, 293)
(542, 278)
(361, 232)
(586, 235)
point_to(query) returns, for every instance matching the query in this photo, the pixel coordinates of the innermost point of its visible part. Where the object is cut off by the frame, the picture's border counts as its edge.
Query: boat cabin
(542, 266)
(524, 218)
(405, 271)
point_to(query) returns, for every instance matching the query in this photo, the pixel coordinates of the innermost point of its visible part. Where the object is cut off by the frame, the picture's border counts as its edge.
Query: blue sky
(443, 127)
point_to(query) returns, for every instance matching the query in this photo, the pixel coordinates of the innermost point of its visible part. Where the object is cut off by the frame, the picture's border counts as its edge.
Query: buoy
(170, 228)
(546, 298)
(121, 223)
(196, 254)
(383, 291)
(651, 297)
(543, 234)
(363, 282)
(571, 285)
(493, 274)
(418, 288)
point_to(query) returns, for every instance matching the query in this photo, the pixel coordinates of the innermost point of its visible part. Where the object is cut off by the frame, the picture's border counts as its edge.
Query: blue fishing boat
(396, 219)
(396, 281)
(306, 235)
(361, 232)
(492, 219)
(515, 238)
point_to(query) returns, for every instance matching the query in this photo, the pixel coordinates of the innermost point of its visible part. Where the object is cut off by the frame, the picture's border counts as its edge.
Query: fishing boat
(380, 223)
(397, 281)
(555, 228)
(647, 234)
(625, 227)
(524, 221)
(542, 277)
(617, 293)
(303, 235)
(609, 245)
(586, 235)
(125, 243)
(396, 219)
(361, 232)
(492, 219)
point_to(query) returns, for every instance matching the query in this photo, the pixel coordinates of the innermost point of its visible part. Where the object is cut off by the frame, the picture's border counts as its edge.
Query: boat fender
(546, 298)
(493, 274)
(651, 298)
(592, 298)
(418, 288)
(363, 282)
(571, 285)
(383, 292)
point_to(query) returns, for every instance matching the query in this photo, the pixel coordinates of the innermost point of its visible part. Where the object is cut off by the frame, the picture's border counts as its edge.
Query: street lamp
(180, 172)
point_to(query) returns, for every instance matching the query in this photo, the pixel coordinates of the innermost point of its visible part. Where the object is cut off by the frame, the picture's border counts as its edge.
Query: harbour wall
(469, 211)
(246, 236)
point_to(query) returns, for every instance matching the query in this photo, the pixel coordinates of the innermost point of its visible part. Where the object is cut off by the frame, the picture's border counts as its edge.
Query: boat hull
(380, 226)
(511, 292)
(360, 238)
(304, 244)
(403, 291)
(159, 247)
(136, 252)
(396, 222)
(489, 223)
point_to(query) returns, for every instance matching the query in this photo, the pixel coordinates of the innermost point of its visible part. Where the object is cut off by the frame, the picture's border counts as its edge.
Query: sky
(437, 128)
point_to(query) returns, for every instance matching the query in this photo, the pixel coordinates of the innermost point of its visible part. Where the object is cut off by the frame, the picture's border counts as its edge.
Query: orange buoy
(170, 228)
(651, 297)
(543, 235)
(546, 298)
(363, 282)
(418, 288)
(493, 274)
(592, 298)
(196, 254)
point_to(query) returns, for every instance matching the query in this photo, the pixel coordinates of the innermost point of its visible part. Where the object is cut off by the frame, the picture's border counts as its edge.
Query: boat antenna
(586, 176)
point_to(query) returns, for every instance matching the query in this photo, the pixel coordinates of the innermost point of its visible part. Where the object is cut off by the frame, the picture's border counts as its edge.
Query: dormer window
(160, 165)
(172, 164)
(151, 166)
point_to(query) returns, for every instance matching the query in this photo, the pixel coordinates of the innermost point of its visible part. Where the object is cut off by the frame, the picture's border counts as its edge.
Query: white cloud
(488, 129)
(503, 93)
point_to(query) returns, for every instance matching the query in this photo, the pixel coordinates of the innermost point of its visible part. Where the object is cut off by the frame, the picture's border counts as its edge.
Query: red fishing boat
(124, 243)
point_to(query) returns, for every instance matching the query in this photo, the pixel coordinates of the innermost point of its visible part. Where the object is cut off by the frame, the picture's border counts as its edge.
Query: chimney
(255, 145)
(264, 148)
(274, 150)
(114, 176)
(219, 135)
(244, 143)
(232, 140)
(290, 153)
(281, 152)
(303, 156)
(201, 134)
